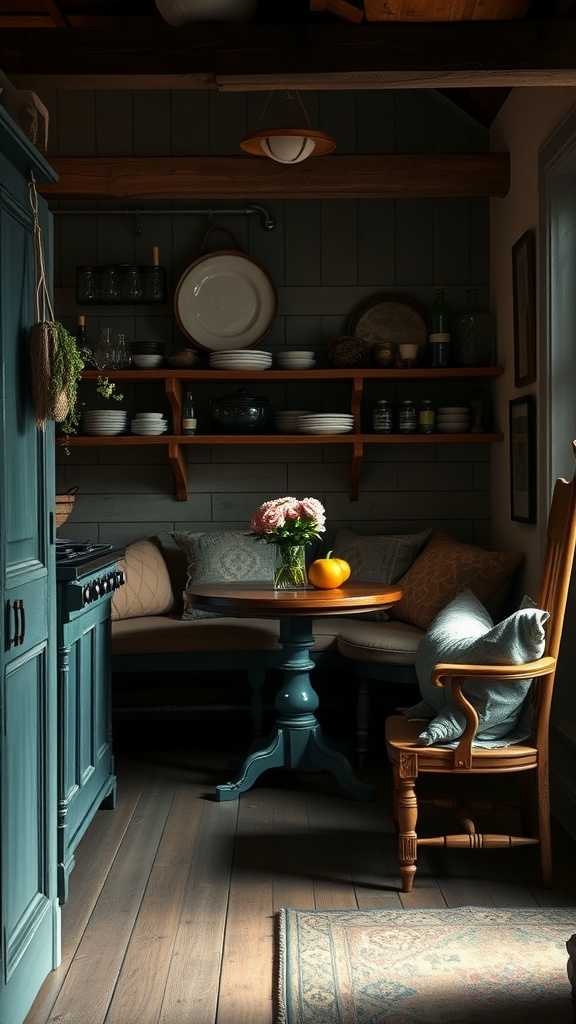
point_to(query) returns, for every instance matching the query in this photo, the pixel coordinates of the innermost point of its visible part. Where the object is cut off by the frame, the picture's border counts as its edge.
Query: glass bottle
(439, 320)
(426, 417)
(104, 355)
(154, 279)
(188, 418)
(122, 352)
(81, 334)
(475, 334)
(439, 337)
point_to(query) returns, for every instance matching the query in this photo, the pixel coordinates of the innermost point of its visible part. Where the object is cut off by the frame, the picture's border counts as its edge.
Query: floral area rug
(462, 966)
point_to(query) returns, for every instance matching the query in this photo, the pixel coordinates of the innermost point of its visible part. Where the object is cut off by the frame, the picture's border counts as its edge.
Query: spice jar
(384, 354)
(426, 417)
(407, 417)
(382, 419)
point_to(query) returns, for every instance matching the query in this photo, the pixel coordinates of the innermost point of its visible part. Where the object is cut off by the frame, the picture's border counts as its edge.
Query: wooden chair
(410, 760)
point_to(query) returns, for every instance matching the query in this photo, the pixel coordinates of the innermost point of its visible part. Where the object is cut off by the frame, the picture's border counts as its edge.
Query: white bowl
(147, 362)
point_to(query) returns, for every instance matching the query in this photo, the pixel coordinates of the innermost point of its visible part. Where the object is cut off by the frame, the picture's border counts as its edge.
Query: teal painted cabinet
(29, 911)
(86, 779)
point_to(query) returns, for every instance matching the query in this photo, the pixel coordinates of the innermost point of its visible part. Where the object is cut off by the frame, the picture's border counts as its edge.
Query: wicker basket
(64, 506)
(445, 10)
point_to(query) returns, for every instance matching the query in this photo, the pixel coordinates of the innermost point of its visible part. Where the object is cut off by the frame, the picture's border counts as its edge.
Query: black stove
(75, 559)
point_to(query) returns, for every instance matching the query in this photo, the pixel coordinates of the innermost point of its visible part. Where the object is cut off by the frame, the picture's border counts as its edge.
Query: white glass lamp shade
(288, 149)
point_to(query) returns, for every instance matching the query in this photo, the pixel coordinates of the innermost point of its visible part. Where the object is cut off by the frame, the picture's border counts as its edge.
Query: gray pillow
(463, 632)
(223, 557)
(382, 558)
(379, 559)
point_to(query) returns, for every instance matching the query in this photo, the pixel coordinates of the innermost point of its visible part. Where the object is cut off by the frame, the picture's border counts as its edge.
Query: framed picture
(524, 296)
(523, 459)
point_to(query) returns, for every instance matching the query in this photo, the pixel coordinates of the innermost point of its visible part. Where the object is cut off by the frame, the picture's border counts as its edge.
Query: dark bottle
(439, 319)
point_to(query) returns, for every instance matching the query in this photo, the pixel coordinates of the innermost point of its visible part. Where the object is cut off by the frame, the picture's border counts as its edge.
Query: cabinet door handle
(22, 621)
(11, 637)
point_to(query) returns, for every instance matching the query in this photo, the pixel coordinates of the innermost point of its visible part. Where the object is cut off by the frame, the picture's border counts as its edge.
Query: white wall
(527, 118)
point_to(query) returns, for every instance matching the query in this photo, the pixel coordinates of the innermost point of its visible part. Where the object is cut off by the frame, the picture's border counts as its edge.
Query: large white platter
(223, 300)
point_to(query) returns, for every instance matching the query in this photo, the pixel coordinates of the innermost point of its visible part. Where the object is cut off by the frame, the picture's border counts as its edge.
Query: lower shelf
(174, 444)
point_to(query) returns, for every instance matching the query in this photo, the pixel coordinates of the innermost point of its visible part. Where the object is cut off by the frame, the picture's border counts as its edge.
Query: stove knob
(104, 586)
(87, 595)
(95, 590)
(120, 578)
(112, 581)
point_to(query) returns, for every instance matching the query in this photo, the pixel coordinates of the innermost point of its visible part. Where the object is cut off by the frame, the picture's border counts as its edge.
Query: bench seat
(166, 634)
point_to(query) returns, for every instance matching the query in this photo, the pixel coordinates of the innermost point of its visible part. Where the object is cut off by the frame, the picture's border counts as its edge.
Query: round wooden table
(298, 742)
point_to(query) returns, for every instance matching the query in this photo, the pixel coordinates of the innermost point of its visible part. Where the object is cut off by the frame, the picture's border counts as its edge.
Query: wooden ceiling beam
(55, 13)
(395, 55)
(389, 176)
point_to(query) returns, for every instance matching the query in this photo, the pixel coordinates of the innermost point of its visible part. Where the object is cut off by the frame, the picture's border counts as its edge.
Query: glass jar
(122, 352)
(382, 418)
(110, 288)
(440, 350)
(407, 417)
(384, 354)
(426, 417)
(130, 283)
(86, 285)
(153, 283)
(475, 338)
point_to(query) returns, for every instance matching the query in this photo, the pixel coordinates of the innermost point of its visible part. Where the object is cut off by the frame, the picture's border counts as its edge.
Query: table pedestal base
(298, 743)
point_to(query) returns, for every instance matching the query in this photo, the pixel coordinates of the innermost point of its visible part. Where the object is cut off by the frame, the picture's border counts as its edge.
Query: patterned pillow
(445, 568)
(148, 590)
(463, 633)
(226, 556)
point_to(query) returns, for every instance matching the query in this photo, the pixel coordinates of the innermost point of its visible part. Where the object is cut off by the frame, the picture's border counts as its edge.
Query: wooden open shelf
(173, 381)
(371, 176)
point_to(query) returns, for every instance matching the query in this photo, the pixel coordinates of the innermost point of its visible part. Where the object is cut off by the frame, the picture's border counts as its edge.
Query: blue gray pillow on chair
(224, 557)
(464, 632)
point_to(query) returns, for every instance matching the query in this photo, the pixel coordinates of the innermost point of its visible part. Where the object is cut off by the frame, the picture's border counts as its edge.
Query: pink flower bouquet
(290, 524)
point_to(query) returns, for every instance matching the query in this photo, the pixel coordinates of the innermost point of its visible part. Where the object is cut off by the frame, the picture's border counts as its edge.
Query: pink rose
(311, 508)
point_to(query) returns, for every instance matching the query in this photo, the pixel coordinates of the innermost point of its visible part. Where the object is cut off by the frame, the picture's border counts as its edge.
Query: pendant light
(288, 144)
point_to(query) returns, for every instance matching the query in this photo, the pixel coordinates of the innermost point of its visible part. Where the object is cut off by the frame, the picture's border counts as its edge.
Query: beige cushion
(148, 590)
(443, 570)
(393, 643)
(163, 635)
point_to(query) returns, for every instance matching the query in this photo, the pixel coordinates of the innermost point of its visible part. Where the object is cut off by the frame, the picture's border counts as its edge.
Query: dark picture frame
(522, 428)
(524, 298)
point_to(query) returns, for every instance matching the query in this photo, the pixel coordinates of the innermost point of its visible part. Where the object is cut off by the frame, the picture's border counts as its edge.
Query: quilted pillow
(464, 633)
(223, 557)
(148, 590)
(445, 568)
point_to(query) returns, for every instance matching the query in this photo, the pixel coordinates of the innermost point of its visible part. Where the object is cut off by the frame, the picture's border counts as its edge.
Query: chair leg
(395, 795)
(362, 722)
(543, 800)
(407, 836)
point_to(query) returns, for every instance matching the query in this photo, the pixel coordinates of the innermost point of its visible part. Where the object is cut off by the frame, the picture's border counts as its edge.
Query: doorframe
(559, 146)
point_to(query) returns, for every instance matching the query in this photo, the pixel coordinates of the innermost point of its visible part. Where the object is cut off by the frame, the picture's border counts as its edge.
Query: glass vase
(290, 567)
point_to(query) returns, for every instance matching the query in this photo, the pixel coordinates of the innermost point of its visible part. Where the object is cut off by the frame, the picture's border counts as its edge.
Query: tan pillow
(148, 590)
(443, 570)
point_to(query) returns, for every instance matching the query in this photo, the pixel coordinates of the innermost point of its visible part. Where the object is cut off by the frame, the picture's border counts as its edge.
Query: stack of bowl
(147, 355)
(149, 424)
(104, 421)
(453, 419)
(287, 420)
(304, 359)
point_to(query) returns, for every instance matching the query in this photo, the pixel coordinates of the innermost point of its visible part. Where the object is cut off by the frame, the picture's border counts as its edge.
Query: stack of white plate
(453, 419)
(149, 424)
(325, 423)
(240, 359)
(104, 421)
(296, 360)
(287, 420)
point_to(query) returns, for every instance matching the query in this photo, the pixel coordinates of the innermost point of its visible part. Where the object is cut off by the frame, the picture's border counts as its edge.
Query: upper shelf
(378, 176)
(357, 373)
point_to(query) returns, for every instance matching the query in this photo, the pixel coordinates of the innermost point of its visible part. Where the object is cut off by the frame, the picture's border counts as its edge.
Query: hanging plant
(57, 362)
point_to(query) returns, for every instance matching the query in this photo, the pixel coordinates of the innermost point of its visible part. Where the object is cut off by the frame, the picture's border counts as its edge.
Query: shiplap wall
(324, 258)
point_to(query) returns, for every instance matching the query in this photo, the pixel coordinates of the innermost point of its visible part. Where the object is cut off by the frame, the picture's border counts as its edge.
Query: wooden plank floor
(170, 918)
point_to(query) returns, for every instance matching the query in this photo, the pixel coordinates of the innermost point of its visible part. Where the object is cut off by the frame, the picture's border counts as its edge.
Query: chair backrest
(556, 574)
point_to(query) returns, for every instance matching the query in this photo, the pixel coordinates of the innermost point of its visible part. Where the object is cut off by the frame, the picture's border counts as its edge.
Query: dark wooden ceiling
(128, 37)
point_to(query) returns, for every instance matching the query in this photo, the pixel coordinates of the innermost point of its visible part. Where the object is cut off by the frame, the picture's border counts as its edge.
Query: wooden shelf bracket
(355, 469)
(173, 388)
(179, 470)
